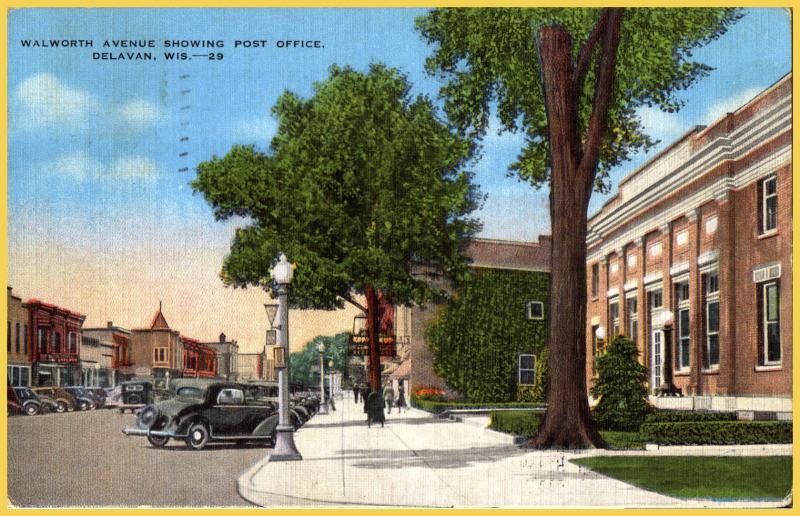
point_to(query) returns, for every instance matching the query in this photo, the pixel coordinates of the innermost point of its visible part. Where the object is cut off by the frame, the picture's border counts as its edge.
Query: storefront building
(120, 338)
(156, 351)
(96, 367)
(55, 349)
(692, 259)
(227, 353)
(18, 342)
(199, 361)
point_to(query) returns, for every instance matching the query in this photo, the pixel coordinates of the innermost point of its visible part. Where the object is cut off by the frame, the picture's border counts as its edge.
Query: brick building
(18, 342)
(120, 338)
(199, 360)
(55, 343)
(156, 351)
(501, 255)
(227, 356)
(703, 231)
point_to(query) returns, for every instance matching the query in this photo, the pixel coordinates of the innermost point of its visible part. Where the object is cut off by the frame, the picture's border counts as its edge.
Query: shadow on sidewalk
(389, 422)
(433, 458)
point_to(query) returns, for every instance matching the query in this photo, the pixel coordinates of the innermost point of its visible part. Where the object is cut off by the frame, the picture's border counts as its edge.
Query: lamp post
(667, 388)
(600, 336)
(284, 448)
(323, 402)
(330, 376)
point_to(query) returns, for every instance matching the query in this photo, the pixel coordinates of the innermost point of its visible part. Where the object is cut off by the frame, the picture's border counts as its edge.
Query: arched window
(56, 342)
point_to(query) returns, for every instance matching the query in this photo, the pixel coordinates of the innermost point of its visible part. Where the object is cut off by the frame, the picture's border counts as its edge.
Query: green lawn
(751, 478)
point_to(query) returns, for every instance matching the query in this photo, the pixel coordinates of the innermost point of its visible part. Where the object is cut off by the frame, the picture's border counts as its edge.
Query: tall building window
(613, 317)
(56, 342)
(711, 295)
(16, 339)
(682, 298)
(594, 350)
(769, 204)
(41, 340)
(526, 370)
(25, 341)
(8, 338)
(595, 279)
(73, 342)
(656, 299)
(632, 310)
(770, 335)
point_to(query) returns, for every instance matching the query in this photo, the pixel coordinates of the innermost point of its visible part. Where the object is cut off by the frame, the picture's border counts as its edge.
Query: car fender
(189, 419)
(267, 426)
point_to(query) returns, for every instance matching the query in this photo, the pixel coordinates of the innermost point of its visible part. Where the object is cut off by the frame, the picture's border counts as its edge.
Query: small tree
(620, 387)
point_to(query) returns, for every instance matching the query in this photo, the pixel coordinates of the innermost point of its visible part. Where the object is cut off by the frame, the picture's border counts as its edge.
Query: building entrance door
(657, 360)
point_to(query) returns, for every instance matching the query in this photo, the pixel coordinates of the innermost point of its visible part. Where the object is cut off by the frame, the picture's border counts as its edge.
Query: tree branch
(355, 303)
(585, 55)
(602, 97)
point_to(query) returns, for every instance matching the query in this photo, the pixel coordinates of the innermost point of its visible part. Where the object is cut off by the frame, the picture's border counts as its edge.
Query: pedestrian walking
(356, 391)
(401, 398)
(388, 396)
(374, 406)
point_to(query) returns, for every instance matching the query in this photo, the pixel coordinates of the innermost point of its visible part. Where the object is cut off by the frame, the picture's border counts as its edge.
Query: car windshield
(78, 390)
(24, 394)
(190, 392)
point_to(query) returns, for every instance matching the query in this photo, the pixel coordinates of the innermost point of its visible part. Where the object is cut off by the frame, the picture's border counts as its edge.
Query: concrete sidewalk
(420, 461)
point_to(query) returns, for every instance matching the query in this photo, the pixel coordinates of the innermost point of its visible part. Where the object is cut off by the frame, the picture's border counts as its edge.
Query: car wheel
(147, 417)
(157, 441)
(197, 437)
(61, 407)
(31, 409)
(84, 405)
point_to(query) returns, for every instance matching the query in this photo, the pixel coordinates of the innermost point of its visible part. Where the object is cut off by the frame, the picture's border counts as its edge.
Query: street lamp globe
(600, 333)
(321, 347)
(283, 271)
(667, 318)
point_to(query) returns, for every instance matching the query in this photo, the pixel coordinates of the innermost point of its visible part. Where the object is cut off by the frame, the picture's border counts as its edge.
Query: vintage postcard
(399, 257)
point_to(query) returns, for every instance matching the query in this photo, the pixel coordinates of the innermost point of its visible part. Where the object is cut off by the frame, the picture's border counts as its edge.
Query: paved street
(82, 459)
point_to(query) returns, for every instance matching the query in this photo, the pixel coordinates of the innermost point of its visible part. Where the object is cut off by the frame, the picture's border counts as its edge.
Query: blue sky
(112, 152)
(94, 146)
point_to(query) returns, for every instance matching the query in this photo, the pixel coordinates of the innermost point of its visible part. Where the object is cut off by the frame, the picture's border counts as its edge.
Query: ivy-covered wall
(478, 336)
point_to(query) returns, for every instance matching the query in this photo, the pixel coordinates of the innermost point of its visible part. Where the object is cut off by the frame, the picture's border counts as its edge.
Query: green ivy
(478, 337)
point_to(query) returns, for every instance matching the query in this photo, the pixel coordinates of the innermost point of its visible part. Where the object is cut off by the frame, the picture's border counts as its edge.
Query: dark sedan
(202, 412)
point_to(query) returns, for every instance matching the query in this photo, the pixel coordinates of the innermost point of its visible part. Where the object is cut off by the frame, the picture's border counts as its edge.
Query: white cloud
(82, 167)
(255, 130)
(46, 100)
(729, 104)
(661, 125)
(139, 113)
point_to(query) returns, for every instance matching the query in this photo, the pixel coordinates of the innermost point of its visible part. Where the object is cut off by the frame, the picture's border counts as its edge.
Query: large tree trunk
(568, 422)
(373, 332)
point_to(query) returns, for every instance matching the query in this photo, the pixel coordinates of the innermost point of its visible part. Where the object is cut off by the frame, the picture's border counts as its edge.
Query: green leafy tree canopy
(304, 365)
(360, 180)
(488, 57)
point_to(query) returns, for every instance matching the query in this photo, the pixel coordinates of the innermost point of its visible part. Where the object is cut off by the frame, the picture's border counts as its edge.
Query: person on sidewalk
(388, 396)
(401, 397)
(375, 408)
(356, 391)
(330, 399)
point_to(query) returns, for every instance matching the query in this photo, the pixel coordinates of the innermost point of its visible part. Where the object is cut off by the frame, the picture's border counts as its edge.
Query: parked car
(14, 406)
(31, 403)
(64, 401)
(203, 412)
(83, 400)
(136, 394)
(98, 394)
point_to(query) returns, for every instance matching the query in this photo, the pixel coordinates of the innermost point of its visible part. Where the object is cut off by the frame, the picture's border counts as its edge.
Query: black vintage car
(202, 412)
(31, 403)
(83, 400)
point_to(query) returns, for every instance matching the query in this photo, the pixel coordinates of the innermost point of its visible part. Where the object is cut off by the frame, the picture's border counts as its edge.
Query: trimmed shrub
(718, 432)
(518, 423)
(440, 406)
(677, 416)
(620, 387)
